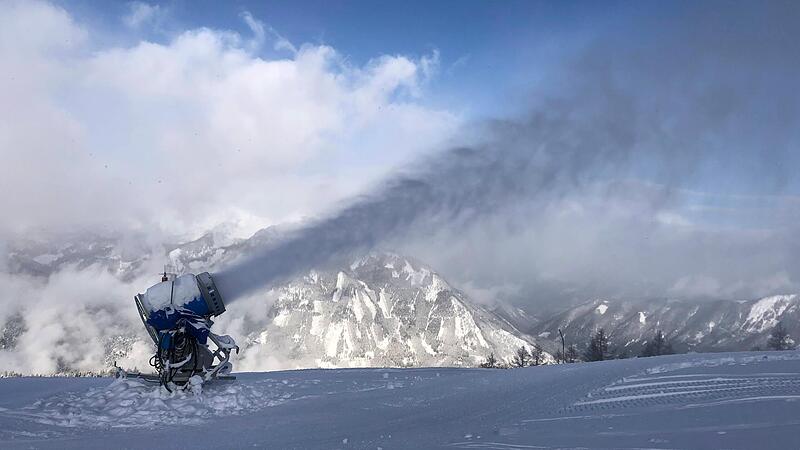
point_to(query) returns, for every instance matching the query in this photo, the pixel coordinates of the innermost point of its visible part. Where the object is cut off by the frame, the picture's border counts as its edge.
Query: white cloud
(140, 13)
(257, 27)
(184, 134)
(259, 30)
(694, 286)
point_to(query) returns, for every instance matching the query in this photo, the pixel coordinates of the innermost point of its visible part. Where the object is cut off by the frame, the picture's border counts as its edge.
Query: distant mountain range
(389, 310)
(690, 326)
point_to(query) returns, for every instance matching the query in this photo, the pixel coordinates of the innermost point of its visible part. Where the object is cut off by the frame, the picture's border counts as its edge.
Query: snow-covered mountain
(40, 257)
(125, 256)
(517, 317)
(690, 326)
(381, 310)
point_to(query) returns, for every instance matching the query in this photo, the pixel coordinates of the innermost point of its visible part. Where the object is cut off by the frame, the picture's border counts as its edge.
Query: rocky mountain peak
(382, 310)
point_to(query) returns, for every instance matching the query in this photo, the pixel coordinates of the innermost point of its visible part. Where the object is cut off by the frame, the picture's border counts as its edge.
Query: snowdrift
(733, 400)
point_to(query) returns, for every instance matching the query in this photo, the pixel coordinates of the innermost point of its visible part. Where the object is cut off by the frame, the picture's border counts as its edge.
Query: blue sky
(489, 50)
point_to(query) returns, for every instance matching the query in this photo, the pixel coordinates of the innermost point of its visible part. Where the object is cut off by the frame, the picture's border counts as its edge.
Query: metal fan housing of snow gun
(177, 315)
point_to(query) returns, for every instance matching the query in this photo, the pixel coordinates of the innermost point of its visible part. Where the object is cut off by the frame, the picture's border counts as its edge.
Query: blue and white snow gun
(177, 314)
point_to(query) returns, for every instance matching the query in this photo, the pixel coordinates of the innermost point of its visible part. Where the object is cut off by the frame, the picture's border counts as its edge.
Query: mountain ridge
(719, 325)
(382, 309)
(367, 332)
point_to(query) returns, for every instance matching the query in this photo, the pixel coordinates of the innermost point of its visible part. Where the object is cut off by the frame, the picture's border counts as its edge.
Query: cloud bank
(184, 134)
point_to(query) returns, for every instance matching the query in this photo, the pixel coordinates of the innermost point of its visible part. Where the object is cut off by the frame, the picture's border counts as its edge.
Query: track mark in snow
(664, 383)
(470, 444)
(788, 398)
(635, 397)
(669, 377)
(691, 389)
(586, 417)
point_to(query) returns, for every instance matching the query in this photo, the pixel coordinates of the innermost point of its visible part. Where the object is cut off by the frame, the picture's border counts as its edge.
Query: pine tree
(779, 338)
(598, 347)
(657, 346)
(522, 358)
(490, 363)
(572, 354)
(537, 355)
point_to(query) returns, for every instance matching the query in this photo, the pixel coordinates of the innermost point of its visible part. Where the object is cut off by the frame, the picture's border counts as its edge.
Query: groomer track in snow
(732, 400)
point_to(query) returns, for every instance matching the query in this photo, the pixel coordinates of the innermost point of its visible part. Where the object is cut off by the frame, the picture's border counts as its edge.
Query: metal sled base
(154, 378)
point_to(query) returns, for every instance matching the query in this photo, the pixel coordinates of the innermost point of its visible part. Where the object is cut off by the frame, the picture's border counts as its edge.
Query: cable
(182, 346)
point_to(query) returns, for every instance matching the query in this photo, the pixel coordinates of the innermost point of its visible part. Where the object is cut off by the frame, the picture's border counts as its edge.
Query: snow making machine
(177, 314)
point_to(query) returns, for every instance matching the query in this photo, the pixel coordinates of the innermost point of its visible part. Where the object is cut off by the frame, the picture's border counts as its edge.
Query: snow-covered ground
(733, 400)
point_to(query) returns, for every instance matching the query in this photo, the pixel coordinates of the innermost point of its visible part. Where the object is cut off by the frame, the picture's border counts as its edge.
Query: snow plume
(69, 321)
(83, 319)
(631, 153)
(536, 158)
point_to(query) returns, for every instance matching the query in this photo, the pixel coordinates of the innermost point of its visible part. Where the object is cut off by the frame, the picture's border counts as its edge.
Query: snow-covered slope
(735, 401)
(698, 326)
(383, 310)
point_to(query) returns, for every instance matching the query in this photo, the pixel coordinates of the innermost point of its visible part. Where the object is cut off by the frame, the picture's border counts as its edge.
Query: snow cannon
(177, 314)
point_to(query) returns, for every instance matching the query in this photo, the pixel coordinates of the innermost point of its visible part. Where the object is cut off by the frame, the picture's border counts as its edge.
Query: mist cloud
(596, 189)
(702, 201)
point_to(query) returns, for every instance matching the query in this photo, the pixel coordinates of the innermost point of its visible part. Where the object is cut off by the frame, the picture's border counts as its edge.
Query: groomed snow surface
(733, 400)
